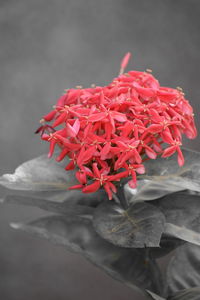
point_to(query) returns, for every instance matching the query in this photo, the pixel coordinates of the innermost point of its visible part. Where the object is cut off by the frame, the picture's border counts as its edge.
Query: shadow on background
(47, 46)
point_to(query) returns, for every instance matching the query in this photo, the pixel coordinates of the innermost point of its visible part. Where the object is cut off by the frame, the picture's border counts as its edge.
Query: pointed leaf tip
(16, 225)
(154, 296)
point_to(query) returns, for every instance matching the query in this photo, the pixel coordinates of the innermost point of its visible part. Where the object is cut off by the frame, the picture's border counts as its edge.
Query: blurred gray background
(50, 45)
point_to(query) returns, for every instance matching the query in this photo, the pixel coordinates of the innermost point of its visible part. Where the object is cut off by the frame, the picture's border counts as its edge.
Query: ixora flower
(109, 132)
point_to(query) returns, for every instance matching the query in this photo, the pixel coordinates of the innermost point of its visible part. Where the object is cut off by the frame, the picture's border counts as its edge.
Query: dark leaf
(188, 294)
(182, 233)
(184, 269)
(62, 199)
(154, 296)
(182, 213)
(141, 225)
(167, 245)
(77, 235)
(64, 208)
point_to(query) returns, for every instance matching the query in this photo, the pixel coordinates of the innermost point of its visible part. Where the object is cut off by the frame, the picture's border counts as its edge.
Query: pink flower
(108, 132)
(100, 179)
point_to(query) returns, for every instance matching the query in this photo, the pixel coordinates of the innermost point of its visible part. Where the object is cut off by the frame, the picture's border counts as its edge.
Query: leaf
(73, 197)
(141, 225)
(39, 174)
(167, 244)
(182, 233)
(164, 176)
(169, 168)
(154, 296)
(184, 269)
(45, 178)
(182, 213)
(187, 294)
(77, 235)
(150, 189)
(64, 208)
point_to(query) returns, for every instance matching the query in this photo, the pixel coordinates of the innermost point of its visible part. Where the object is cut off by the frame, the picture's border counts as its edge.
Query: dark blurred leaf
(184, 269)
(167, 245)
(65, 208)
(64, 198)
(39, 174)
(154, 296)
(182, 233)
(77, 234)
(141, 225)
(188, 294)
(182, 213)
(164, 176)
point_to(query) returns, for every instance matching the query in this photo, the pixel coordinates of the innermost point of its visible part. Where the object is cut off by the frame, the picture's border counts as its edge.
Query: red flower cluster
(108, 132)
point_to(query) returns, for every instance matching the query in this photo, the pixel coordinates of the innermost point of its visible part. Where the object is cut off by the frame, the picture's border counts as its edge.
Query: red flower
(100, 179)
(172, 149)
(108, 132)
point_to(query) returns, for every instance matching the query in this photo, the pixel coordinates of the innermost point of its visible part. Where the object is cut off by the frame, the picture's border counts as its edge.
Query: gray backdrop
(47, 46)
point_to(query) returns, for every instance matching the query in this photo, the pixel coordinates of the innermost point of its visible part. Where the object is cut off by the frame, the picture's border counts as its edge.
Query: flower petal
(181, 159)
(169, 151)
(91, 188)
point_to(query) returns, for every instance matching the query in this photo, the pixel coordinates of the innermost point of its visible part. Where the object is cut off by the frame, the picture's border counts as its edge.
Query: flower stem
(121, 196)
(116, 198)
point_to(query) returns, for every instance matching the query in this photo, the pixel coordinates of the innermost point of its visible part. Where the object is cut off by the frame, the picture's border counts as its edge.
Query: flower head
(108, 132)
